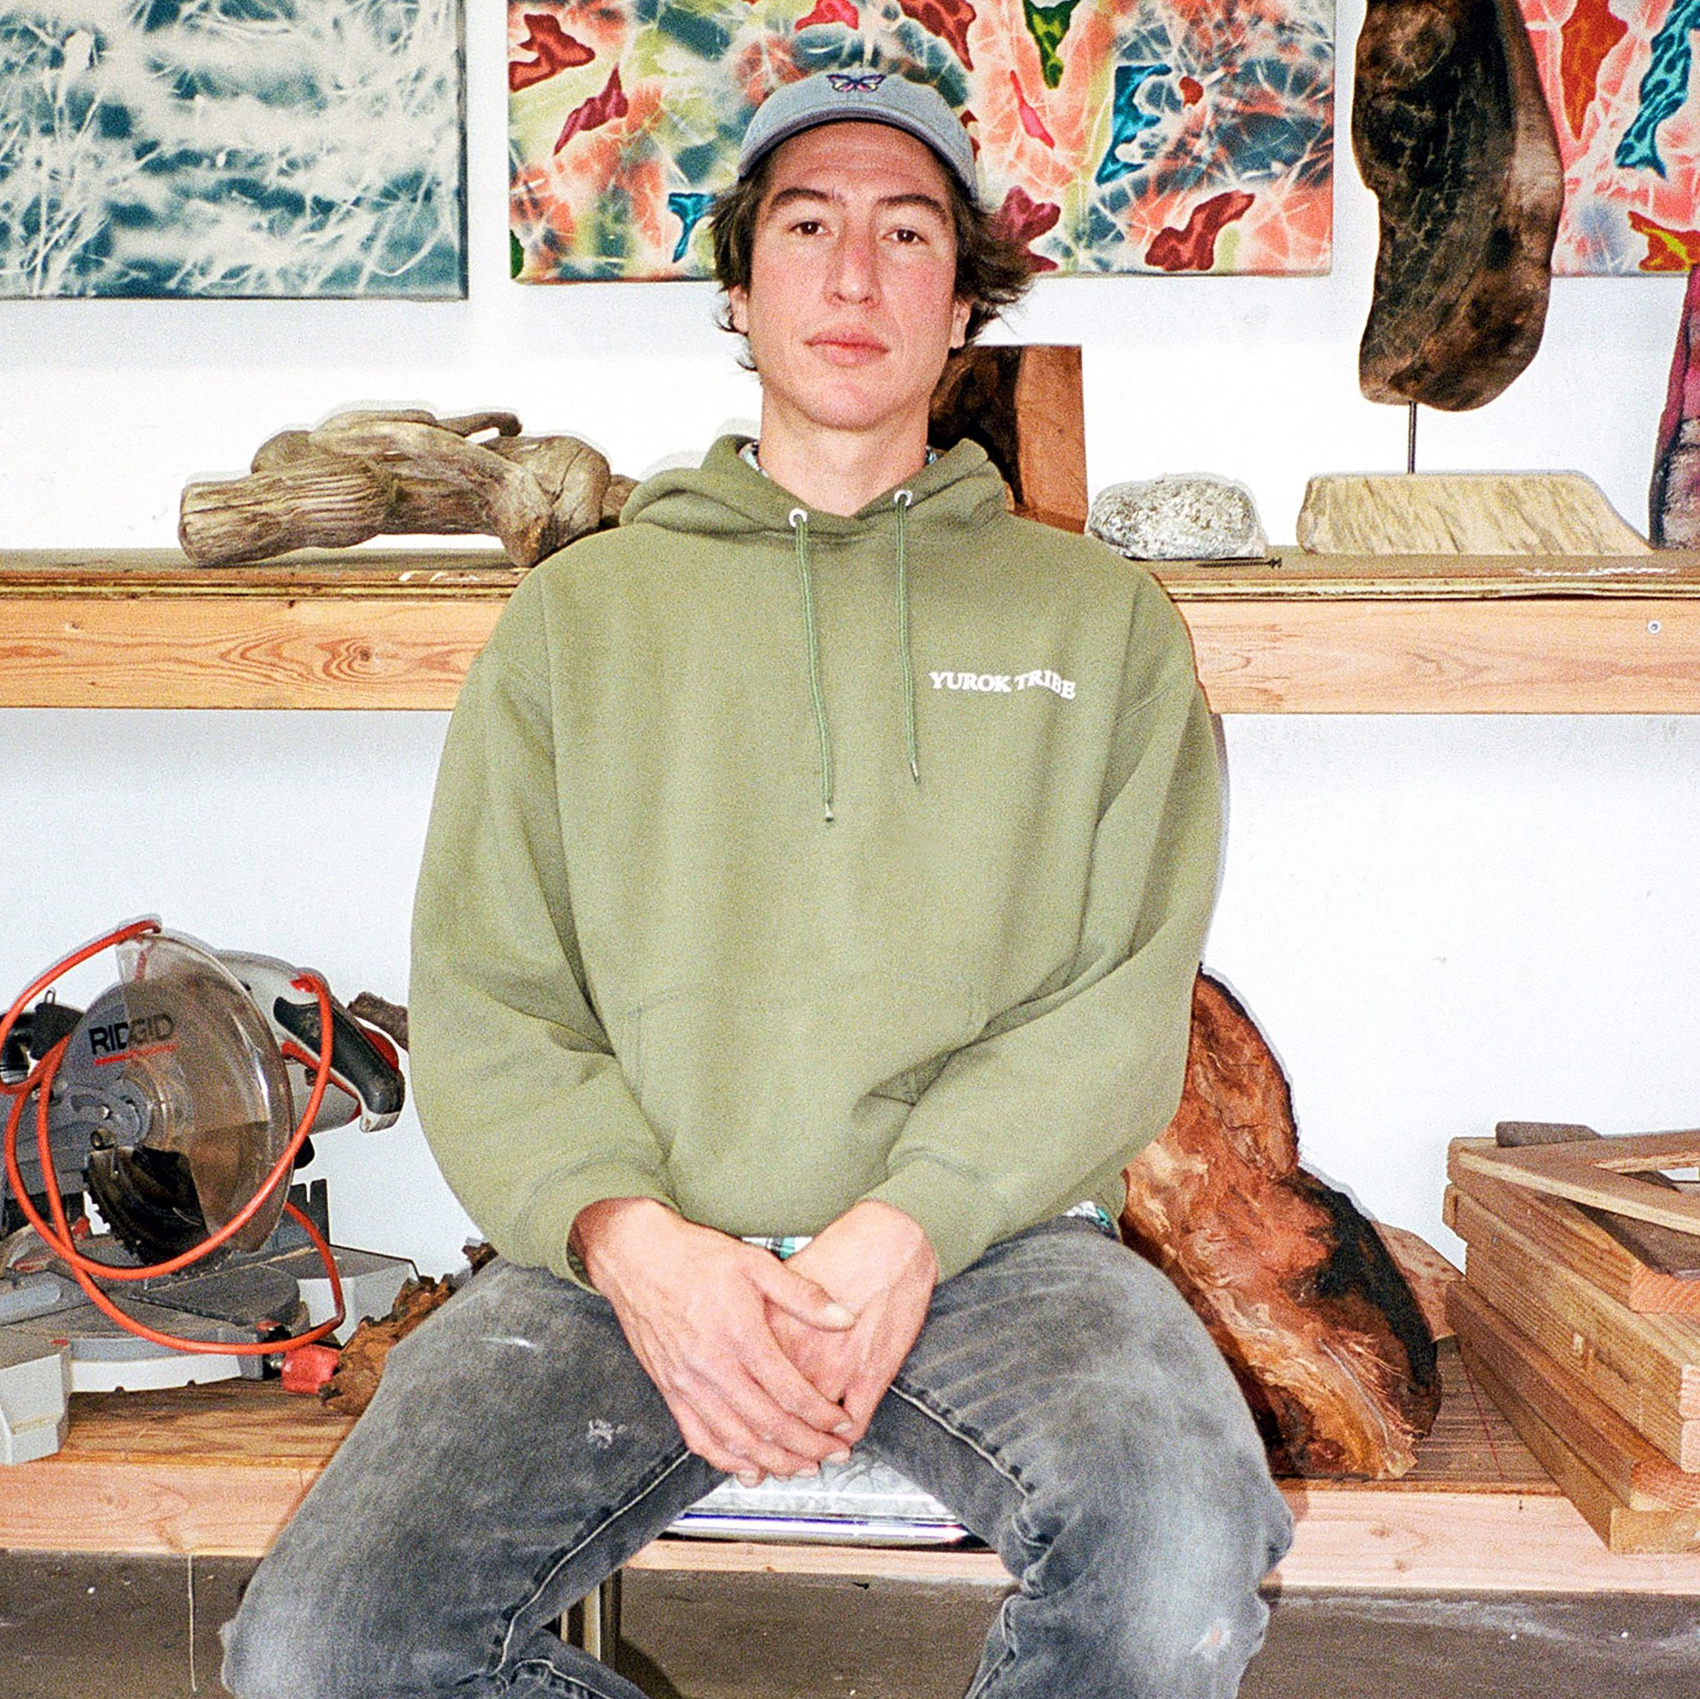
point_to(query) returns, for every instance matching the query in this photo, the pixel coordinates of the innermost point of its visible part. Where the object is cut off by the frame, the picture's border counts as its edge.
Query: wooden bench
(218, 1470)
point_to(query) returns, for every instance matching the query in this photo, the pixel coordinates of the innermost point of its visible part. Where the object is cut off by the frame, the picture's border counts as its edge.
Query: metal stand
(593, 1624)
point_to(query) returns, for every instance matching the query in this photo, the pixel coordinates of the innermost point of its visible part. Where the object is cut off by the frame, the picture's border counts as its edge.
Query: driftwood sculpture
(1296, 1287)
(369, 474)
(1452, 132)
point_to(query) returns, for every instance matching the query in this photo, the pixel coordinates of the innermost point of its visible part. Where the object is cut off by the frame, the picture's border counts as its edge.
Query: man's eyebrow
(910, 198)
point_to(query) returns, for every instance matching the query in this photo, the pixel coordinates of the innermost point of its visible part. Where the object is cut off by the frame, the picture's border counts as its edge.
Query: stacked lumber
(1583, 1326)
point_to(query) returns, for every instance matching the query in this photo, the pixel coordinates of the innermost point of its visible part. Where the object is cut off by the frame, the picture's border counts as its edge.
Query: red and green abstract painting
(1113, 135)
(1619, 78)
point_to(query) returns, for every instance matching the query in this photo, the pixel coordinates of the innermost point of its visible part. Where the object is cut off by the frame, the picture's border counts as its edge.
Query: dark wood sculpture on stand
(1315, 1318)
(1673, 503)
(1452, 132)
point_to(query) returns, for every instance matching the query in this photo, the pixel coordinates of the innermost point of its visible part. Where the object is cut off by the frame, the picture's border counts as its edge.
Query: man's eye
(807, 227)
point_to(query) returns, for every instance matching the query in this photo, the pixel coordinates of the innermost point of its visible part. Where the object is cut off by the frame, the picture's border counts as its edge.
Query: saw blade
(191, 1047)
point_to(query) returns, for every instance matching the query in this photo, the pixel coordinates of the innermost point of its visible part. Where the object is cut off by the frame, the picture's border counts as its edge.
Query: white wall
(1439, 922)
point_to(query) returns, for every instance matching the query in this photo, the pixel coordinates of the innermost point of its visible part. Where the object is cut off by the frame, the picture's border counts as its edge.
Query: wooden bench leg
(593, 1624)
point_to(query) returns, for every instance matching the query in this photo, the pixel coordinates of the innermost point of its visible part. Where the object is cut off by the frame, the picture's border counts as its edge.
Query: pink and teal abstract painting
(1113, 135)
(232, 148)
(1619, 78)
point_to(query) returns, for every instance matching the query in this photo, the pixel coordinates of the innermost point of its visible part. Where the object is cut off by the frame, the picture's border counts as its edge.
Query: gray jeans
(1062, 1399)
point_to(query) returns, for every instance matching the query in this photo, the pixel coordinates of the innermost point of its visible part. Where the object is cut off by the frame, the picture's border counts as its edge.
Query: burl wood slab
(1452, 132)
(1296, 1287)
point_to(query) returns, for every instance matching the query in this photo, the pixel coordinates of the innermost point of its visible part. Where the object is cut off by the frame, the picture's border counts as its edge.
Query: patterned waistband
(785, 1245)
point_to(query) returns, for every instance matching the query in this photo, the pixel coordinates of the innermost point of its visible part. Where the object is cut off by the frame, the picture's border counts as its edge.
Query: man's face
(851, 308)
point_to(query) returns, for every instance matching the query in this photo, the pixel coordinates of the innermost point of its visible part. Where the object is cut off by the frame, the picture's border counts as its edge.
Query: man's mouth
(847, 347)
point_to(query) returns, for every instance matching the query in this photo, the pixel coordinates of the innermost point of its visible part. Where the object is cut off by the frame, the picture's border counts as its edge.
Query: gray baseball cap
(872, 97)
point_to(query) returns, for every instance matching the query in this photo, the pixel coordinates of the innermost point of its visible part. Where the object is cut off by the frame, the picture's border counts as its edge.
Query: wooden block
(1600, 1172)
(1634, 1469)
(1565, 1232)
(1658, 1247)
(1482, 513)
(1633, 1363)
(1623, 1529)
(1025, 406)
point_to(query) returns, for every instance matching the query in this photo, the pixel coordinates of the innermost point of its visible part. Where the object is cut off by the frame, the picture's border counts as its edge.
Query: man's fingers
(747, 1422)
(697, 1437)
(781, 1381)
(800, 1297)
(861, 1399)
(757, 1407)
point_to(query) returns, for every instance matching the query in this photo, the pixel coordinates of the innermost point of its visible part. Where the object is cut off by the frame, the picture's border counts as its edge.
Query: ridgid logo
(1006, 684)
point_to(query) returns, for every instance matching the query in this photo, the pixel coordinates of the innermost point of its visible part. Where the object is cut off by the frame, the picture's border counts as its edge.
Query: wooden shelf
(218, 1470)
(1292, 634)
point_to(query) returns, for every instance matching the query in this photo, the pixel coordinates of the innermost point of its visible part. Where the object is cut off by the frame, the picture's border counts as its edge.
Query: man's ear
(738, 309)
(959, 322)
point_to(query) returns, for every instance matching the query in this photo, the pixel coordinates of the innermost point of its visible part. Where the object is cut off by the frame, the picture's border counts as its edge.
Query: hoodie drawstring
(901, 500)
(798, 520)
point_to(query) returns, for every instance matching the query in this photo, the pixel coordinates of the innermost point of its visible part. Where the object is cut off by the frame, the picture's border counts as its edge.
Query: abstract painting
(1113, 135)
(232, 148)
(1619, 77)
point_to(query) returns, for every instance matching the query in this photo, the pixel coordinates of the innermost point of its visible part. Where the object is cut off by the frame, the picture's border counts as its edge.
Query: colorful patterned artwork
(1619, 77)
(232, 147)
(1113, 135)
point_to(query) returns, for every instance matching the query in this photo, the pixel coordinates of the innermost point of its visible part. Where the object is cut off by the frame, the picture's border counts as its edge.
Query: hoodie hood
(728, 497)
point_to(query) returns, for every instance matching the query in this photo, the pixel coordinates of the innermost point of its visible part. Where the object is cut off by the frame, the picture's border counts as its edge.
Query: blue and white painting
(201, 148)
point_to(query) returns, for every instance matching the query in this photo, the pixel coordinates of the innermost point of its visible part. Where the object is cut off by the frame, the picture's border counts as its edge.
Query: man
(823, 856)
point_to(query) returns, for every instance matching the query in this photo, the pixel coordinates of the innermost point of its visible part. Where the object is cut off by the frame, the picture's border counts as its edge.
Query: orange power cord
(58, 1237)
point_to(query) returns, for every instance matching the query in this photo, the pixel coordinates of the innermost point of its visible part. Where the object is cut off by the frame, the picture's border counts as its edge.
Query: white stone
(1196, 517)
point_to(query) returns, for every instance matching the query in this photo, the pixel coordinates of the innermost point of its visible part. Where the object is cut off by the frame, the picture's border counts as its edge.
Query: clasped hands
(769, 1367)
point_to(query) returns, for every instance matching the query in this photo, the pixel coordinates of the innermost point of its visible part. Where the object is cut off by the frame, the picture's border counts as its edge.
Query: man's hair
(992, 270)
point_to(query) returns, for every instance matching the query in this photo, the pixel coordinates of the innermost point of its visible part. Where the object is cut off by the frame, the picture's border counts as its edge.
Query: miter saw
(180, 1103)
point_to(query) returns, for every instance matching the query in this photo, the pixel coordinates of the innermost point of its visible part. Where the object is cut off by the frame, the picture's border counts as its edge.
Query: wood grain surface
(219, 1470)
(1600, 1172)
(1561, 1230)
(1600, 1441)
(393, 629)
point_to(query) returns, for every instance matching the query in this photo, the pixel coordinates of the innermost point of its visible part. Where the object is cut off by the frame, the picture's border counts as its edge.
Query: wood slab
(1565, 1232)
(1466, 513)
(1601, 1173)
(1025, 405)
(1644, 1367)
(1659, 1248)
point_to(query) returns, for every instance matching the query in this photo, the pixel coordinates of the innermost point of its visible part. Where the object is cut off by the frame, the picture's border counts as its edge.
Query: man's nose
(855, 271)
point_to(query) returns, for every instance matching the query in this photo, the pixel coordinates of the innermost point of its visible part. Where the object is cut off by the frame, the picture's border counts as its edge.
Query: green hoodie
(691, 927)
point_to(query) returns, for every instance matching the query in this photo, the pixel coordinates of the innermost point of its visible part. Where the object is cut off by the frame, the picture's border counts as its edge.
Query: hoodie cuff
(959, 1213)
(541, 1240)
